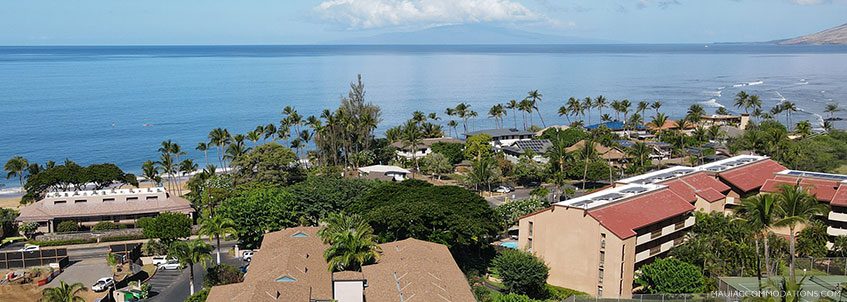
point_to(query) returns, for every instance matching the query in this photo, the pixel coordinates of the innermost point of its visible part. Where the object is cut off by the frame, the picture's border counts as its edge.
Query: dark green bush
(67, 226)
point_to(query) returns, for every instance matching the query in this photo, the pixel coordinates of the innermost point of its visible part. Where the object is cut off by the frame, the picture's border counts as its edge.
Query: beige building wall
(571, 243)
(708, 207)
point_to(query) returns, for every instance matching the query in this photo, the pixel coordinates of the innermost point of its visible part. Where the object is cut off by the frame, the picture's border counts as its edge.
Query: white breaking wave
(713, 93)
(712, 103)
(754, 83)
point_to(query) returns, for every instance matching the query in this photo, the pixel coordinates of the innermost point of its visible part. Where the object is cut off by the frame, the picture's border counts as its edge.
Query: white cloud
(366, 14)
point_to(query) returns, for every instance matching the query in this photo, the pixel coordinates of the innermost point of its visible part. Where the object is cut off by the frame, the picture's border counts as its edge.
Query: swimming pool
(510, 244)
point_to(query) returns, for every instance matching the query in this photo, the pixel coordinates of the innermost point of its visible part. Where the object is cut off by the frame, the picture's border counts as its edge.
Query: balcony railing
(667, 230)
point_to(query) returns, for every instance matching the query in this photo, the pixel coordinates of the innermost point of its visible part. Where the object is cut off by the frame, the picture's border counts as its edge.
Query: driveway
(85, 271)
(172, 285)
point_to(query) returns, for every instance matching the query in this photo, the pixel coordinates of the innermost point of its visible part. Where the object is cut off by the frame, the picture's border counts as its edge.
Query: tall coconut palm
(656, 105)
(831, 109)
(754, 102)
(216, 227)
(587, 104)
(203, 147)
(795, 206)
(642, 106)
(600, 104)
(742, 101)
(535, 98)
(525, 106)
(574, 107)
(220, 137)
(566, 112)
(254, 136)
(803, 129)
(760, 212)
(15, 167)
(189, 253)
(151, 172)
(453, 124)
(696, 112)
(187, 166)
(351, 243)
(64, 293)
(270, 131)
(641, 153)
(616, 106)
(625, 104)
(411, 136)
(788, 108)
(497, 112)
(658, 121)
(513, 104)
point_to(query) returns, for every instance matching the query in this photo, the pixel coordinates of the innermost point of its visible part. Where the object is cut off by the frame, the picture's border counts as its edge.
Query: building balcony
(667, 230)
(833, 231)
(646, 254)
(837, 216)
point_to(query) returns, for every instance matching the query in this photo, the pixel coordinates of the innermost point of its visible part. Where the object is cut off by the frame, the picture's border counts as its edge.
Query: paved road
(173, 285)
(85, 271)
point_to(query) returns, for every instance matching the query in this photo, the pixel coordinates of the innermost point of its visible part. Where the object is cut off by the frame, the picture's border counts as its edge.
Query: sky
(127, 22)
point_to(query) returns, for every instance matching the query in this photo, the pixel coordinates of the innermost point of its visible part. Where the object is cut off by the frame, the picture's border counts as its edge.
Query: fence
(15, 259)
(653, 298)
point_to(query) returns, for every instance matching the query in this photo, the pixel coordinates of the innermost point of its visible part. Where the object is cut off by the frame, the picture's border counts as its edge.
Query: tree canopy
(259, 210)
(167, 226)
(73, 176)
(270, 163)
(671, 276)
(522, 273)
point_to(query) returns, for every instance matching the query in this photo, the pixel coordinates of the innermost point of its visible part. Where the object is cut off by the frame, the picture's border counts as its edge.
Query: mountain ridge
(832, 36)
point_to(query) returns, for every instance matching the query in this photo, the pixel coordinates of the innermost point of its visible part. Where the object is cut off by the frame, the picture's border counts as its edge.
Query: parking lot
(86, 271)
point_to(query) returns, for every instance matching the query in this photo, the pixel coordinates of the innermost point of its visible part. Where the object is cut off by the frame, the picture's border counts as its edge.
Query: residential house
(384, 172)
(503, 136)
(536, 147)
(424, 148)
(290, 267)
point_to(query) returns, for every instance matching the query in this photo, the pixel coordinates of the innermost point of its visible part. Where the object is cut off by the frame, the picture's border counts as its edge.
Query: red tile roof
(753, 176)
(702, 181)
(624, 217)
(711, 195)
(682, 189)
(840, 198)
(824, 190)
(773, 185)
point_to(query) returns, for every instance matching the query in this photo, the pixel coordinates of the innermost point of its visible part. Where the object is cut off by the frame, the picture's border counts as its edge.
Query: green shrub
(154, 247)
(199, 296)
(67, 226)
(62, 242)
(513, 298)
(671, 276)
(105, 226)
(522, 273)
(560, 293)
(222, 275)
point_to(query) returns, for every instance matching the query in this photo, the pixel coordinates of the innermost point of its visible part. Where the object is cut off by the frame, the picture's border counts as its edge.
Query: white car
(503, 189)
(170, 265)
(103, 284)
(247, 255)
(159, 260)
(30, 248)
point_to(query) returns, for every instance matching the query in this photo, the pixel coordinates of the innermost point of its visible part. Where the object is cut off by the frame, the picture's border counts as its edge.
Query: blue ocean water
(116, 104)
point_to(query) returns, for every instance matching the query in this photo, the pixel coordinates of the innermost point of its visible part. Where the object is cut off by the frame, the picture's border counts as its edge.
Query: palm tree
(642, 106)
(217, 226)
(658, 121)
(15, 167)
(151, 172)
(535, 96)
(270, 131)
(788, 108)
(656, 105)
(190, 253)
(204, 147)
(411, 138)
(616, 106)
(625, 104)
(513, 104)
(795, 206)
(64, 293)
(754, 102)
(587, 104)
(254, 136)
(641, 153)
(803, 129)
(574, 107)
(831, 109)
(566, 112)
(696, 112)
(220, 137)
(600, 103)
(760, 212)
(453, 124)
(497, 112)
(351, 242)
(187, 166)
(742, 100)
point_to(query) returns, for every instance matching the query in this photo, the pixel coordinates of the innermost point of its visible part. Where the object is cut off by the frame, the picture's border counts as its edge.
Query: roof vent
(300, 235)
(285, 279)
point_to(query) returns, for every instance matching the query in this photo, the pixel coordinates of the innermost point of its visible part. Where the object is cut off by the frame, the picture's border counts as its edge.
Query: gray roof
(501, 132)
(538, 146)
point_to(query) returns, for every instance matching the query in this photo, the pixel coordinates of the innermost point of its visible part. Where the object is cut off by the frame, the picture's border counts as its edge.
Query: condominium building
(290, 267)
(744, 174)
(830, 189)
(596, 242)
(704, 191)
(121, 206)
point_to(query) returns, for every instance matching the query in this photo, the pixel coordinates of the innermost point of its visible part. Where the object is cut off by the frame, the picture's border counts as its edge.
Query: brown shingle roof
(604, 152)
(424, 270)
(42, 211)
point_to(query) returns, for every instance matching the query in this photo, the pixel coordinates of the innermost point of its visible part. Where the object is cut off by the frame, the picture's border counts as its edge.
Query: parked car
(247, 255)
(503, 189)
(103, 284)
(29, 248)
(159, 260)
(170, 265)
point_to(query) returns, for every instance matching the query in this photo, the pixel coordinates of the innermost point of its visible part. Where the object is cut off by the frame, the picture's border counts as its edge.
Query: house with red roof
(596, 242)
(744, 174)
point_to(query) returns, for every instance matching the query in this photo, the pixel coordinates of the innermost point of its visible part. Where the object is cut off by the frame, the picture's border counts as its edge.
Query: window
(602, 258)
(602, 241)
(599, 290)
(60, 202)
(656, 233)
(529, 244)
(655, 250)
(678, 241)
(154, 197)
(600, 275)
(80, 201)
(132, 198)
(108, 199)
(530, 228)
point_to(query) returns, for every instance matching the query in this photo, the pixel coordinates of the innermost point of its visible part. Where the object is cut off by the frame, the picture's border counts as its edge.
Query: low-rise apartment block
(121, 206)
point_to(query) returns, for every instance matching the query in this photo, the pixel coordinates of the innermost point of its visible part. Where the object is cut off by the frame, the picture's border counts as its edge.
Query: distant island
(833, 36)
